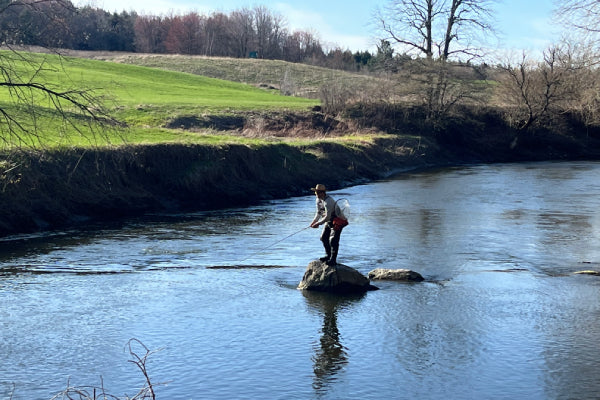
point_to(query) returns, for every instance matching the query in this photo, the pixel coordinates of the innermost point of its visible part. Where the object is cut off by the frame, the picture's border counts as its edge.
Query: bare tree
(242, 31)
(437, 28)
(538, 90)
(410, 23)
(184, 34)
(301, 46)
(583, 15)
(436, 31)
(150, 34)
(269, 28)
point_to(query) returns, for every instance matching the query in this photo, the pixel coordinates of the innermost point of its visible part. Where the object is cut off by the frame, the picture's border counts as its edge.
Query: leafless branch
(100, 393)
(560, 82)
(451, 27)
(147, 392)
(583, 15)
(25, 78)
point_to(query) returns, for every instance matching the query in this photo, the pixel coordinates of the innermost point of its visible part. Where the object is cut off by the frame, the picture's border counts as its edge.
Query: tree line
(247, 32)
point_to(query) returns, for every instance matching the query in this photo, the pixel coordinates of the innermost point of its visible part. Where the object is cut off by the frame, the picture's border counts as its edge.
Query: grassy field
(304, 80)
(145, 98)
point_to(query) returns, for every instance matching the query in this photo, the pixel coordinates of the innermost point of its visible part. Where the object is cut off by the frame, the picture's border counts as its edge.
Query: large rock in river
(335, 279)
(395, 275)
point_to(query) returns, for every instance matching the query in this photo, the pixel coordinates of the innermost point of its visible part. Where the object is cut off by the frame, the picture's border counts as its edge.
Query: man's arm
(314, 223)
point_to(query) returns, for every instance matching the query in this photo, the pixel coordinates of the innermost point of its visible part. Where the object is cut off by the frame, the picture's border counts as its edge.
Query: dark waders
(331, 241)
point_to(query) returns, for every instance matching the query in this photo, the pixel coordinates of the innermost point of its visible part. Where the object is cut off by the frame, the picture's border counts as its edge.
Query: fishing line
(342, 209)
(273, 244)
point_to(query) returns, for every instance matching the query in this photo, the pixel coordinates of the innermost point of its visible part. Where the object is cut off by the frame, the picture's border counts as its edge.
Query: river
(500, 315)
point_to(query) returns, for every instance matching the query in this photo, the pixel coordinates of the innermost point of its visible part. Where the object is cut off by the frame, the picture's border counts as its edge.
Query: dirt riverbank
(57, 189)
(52, 190)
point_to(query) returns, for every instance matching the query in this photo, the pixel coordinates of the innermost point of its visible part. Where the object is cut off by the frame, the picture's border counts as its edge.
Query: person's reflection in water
(330, 355)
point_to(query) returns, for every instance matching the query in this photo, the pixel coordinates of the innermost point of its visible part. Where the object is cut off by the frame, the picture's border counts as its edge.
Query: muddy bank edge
(52, 190)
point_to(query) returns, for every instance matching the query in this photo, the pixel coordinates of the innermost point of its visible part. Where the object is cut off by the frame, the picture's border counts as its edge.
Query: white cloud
(318, 24)
(298, 19)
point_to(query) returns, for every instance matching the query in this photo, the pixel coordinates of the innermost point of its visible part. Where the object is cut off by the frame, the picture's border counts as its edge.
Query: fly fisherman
(324, 216)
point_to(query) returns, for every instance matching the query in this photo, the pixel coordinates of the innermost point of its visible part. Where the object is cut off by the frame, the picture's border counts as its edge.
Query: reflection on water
(500, 315)
(330, 355)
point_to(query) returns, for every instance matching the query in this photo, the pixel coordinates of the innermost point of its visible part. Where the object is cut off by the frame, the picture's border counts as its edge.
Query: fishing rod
(341, 209)
(273, 244)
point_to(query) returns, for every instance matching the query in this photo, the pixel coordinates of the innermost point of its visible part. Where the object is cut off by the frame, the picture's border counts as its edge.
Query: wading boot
(327, 251)
(332, 260)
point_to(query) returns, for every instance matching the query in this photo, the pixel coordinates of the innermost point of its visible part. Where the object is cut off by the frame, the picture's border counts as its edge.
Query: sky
(348, 24)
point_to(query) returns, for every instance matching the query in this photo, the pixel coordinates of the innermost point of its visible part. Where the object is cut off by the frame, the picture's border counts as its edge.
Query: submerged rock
(588, 272)
(335, 279)
(395, 275)
(244, 266)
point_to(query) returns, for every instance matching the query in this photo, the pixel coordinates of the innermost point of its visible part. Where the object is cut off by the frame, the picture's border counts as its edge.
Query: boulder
(395, 275)
(335, 279)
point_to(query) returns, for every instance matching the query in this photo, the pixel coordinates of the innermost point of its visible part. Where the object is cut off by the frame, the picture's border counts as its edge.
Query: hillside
(297, 79)
(154, 103)
(303, 79)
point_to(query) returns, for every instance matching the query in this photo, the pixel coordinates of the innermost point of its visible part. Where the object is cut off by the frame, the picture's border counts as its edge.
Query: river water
(501, 314)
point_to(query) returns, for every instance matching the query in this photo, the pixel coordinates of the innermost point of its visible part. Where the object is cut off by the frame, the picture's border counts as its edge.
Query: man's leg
(334, 240)
(325, 240)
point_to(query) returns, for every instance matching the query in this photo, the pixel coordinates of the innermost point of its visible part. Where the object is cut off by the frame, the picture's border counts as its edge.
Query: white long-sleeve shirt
(325, 210)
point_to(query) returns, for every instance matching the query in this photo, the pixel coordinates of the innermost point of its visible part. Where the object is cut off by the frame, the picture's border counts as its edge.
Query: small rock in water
(335, 279)
(588, 272)
(395, 275)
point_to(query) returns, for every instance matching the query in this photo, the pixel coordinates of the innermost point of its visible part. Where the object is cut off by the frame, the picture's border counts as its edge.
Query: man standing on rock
(324, 216)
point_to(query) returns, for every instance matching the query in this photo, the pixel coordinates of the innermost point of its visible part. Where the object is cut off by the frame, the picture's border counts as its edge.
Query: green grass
(305, 79)
(145, 98)
(167, 91)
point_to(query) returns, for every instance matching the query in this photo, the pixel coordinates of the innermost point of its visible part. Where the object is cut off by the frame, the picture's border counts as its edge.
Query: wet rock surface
(334, 279)
(405, 275)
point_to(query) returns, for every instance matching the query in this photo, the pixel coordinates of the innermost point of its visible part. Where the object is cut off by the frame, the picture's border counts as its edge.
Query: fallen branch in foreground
(100, 393)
